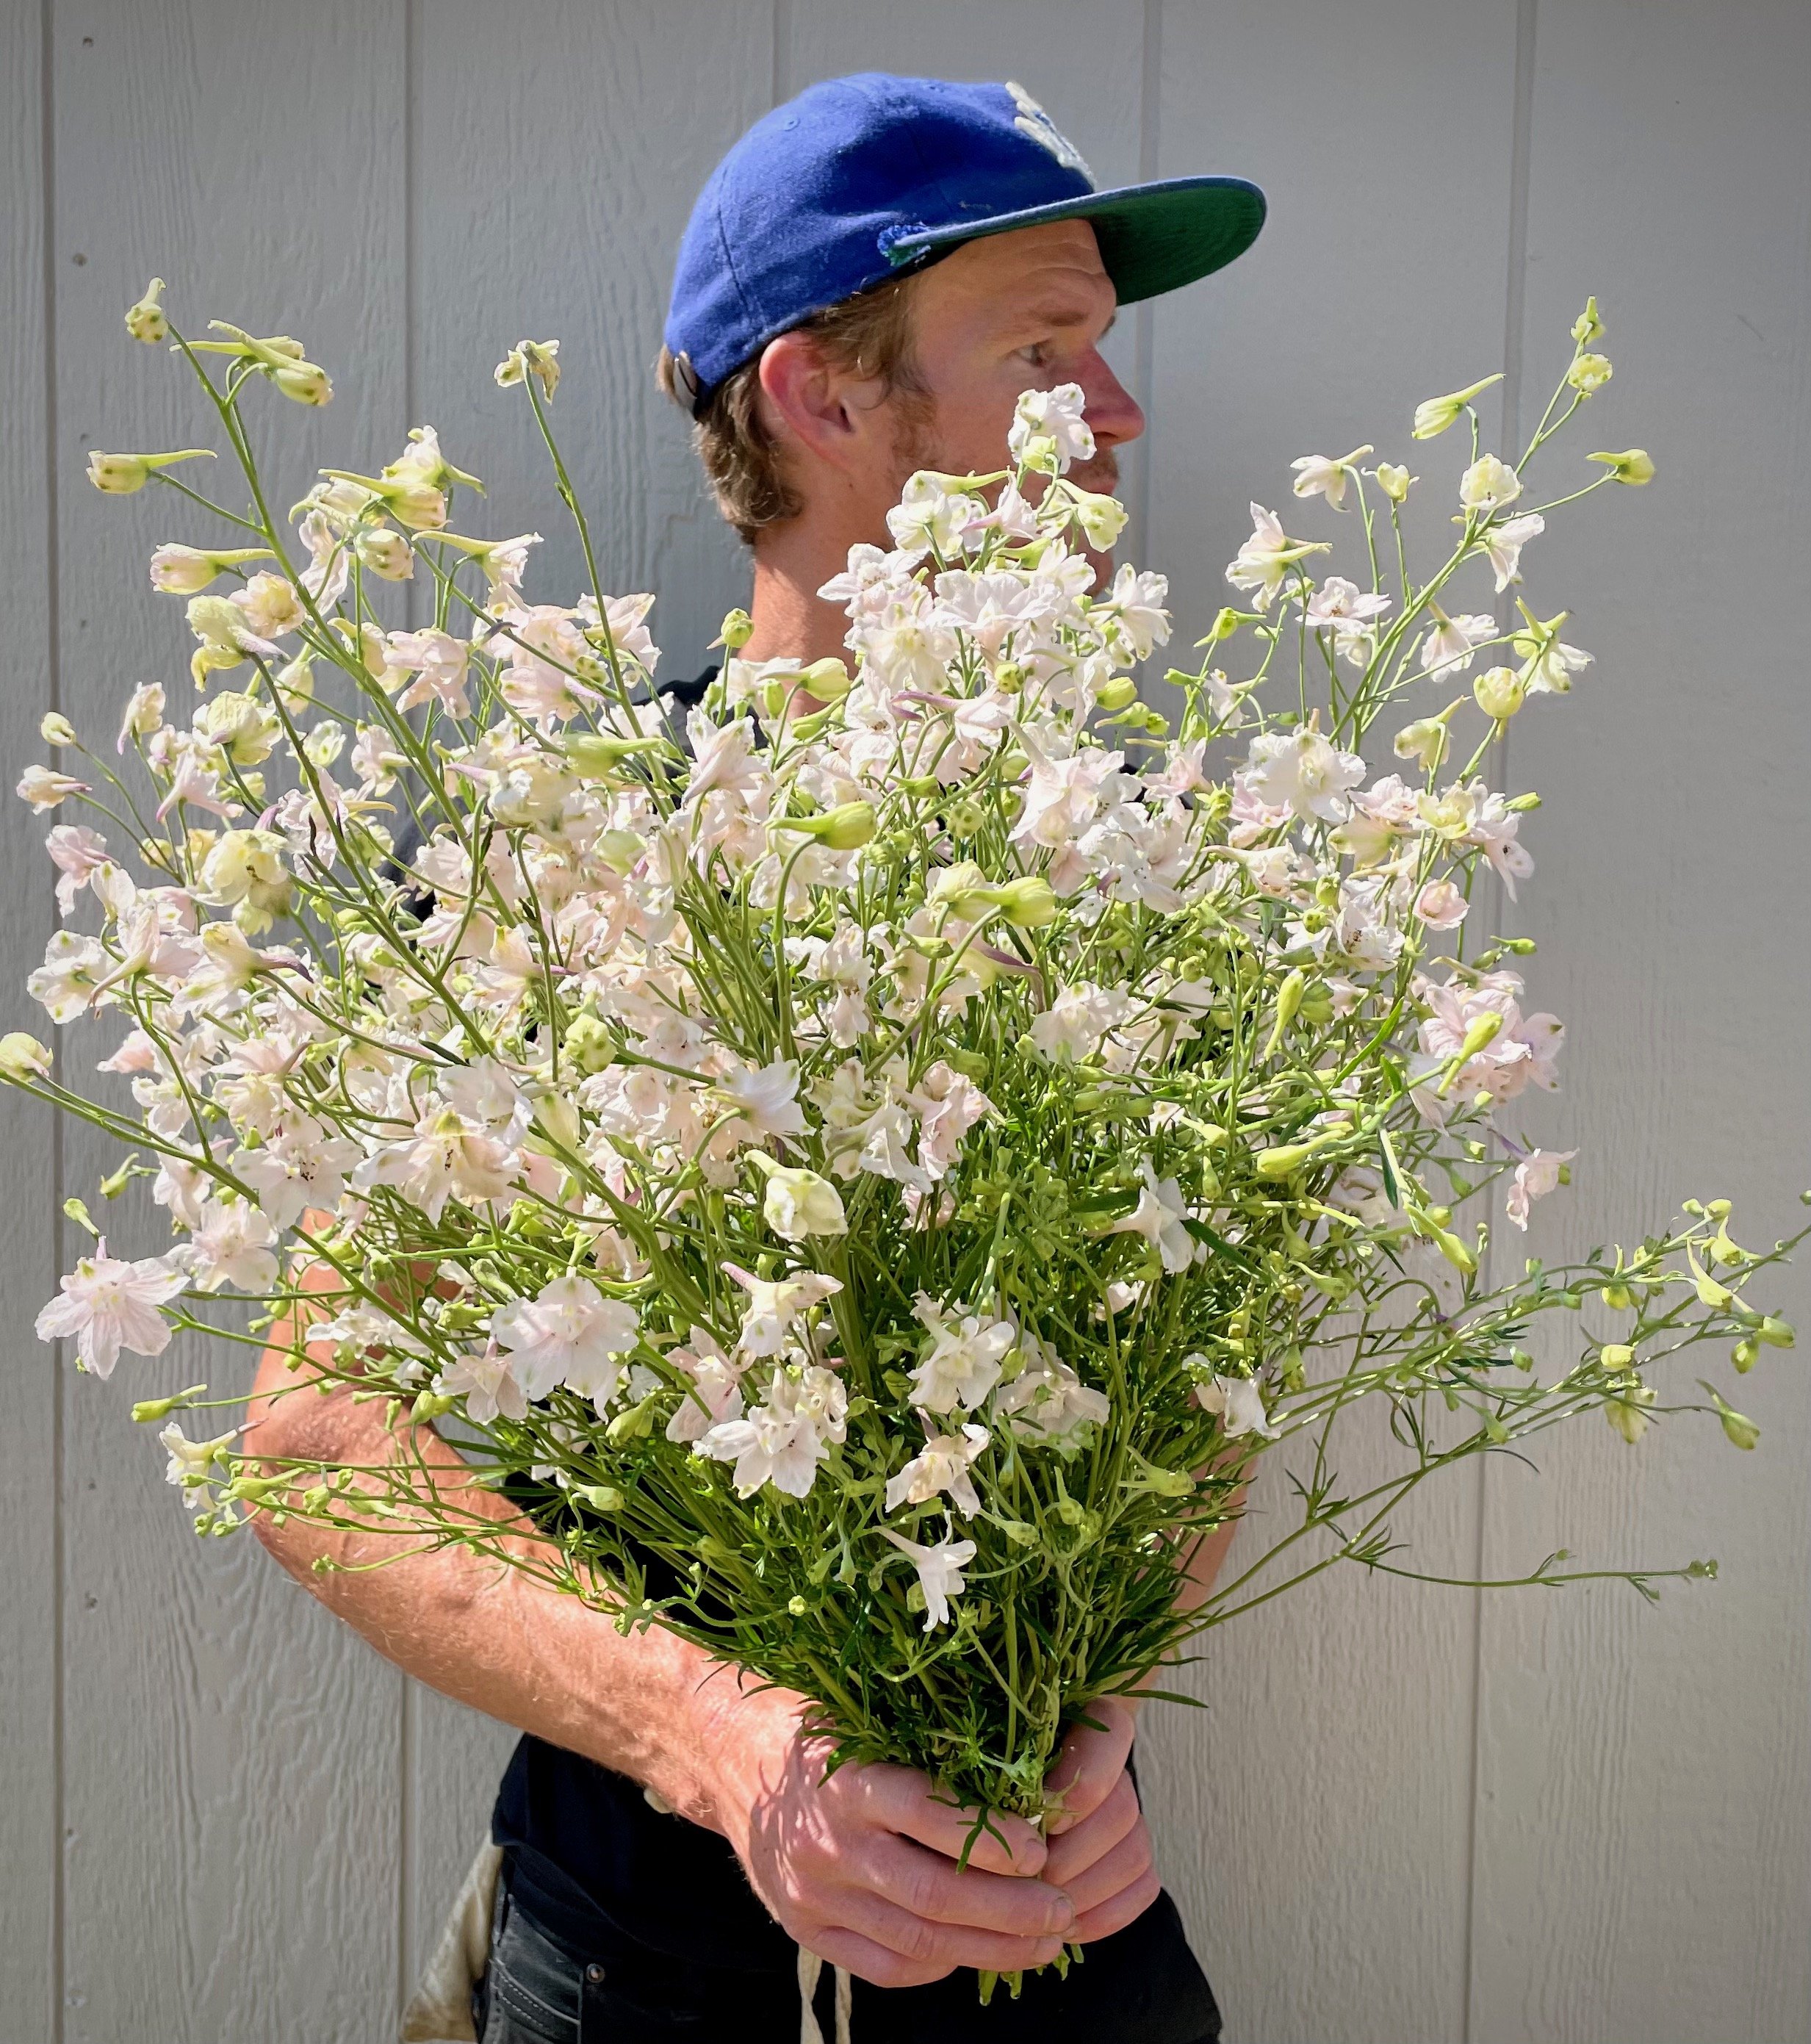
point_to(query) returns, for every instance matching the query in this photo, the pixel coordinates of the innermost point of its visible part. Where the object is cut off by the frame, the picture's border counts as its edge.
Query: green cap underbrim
(1153, 238)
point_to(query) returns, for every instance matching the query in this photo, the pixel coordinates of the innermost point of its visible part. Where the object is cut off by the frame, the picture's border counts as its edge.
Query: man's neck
(792, 621)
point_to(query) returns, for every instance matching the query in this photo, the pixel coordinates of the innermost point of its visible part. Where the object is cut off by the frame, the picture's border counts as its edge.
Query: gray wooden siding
(1409, 1813)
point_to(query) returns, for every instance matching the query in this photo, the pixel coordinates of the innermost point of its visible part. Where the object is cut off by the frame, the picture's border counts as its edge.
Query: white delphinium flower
(947, 1105)
(438, 662)
(1536, 1176)
(194, 1464)
(1238, 1401)
(232, 1246)
(1049, 431)
(1476, 1044)
(775, 1307)
(1503, 546)
(764, 1100)
(300, 1166)
(782, 1441)
(1488, 485)
(1047, 1401)
(1161, 1217)
(930, 516)
(963, 1361)
(1133, 616)
(999, 609)
(1079, 1019)
(487, 1382)
(1450, 647)
(77, 853)
(1441, 906)
(270, 607)
(1340, 607)
(1266, 558)
(569, 1333)
(1315, 475)
(1301, 771)
(110, 1304)
(71, 976)
(1548, 664)
(1067, 791)
(939, 1571)
(941, 1465)
(715, 1392)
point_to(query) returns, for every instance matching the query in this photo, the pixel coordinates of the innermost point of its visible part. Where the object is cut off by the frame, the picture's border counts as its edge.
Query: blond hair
(869, 334)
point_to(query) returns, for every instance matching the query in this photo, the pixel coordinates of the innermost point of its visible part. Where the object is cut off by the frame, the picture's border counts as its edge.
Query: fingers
(926, 1884)
(899, 1799)
(1079, 1847)
(867, 1961)
(1120, 1867)
(1091, 1762)
(1124, 1908)
(938, 1948)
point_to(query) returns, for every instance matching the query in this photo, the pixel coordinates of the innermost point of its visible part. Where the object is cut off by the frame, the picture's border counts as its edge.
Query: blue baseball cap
(860, 178)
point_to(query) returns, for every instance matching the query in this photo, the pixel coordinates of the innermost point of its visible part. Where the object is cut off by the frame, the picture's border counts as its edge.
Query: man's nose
(1111, 410)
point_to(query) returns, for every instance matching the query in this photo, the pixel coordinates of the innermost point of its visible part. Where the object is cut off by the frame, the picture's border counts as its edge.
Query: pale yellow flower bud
(738, 629)
(56, 729)
(22, 1056)
(1634, 465)
(1589, 373)
(799, 1203)
(843, 828)
(1500, 692)
(386, 553)
(1434, 415)
(121, 474)
(307, 382)
(1587, 327)
(145, 321)
(1117, 693)
(1395, 481)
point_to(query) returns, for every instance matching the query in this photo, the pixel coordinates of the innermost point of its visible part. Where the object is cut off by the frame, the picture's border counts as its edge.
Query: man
(871, 277)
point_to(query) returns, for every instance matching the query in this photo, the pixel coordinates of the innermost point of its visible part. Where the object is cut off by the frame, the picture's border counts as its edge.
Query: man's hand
(1100, 1850)
(862, 1868)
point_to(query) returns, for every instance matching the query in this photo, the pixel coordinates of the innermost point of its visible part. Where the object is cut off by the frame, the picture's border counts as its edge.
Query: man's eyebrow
(1064, 313)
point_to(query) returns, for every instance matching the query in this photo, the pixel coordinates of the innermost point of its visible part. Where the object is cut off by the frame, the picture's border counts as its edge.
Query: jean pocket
(533, 1991)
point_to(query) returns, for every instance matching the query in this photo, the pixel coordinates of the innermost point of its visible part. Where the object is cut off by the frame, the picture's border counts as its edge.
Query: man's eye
(1037, 353)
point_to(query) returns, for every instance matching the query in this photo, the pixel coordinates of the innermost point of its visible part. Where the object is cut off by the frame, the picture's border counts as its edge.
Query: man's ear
(811, 403)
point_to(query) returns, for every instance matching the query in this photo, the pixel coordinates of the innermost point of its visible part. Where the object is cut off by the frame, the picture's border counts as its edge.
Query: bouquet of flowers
(867, 1170)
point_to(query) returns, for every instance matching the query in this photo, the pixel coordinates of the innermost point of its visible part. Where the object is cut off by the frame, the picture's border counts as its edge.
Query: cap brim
(1153, 238)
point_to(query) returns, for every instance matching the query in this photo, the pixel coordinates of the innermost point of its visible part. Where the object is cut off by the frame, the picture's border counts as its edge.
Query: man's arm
(858, 1868)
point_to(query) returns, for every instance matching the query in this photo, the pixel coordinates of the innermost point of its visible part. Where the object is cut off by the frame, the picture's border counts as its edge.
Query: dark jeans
(549, 1986)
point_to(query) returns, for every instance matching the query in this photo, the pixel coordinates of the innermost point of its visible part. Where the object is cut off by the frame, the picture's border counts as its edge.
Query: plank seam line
(406, 1814)
(53, 648)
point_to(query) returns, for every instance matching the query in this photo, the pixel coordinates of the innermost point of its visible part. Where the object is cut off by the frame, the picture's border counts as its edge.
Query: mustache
(1100, 475)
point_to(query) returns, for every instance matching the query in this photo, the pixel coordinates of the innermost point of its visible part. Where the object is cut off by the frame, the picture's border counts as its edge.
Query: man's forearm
(649, 1705)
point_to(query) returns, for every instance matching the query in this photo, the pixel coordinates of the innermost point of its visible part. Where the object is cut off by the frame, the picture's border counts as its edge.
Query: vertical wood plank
(560, 146)
(1644, 1812)
(558, 149)
(30, 1990)
(231, 1754)
(1316, 1818)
